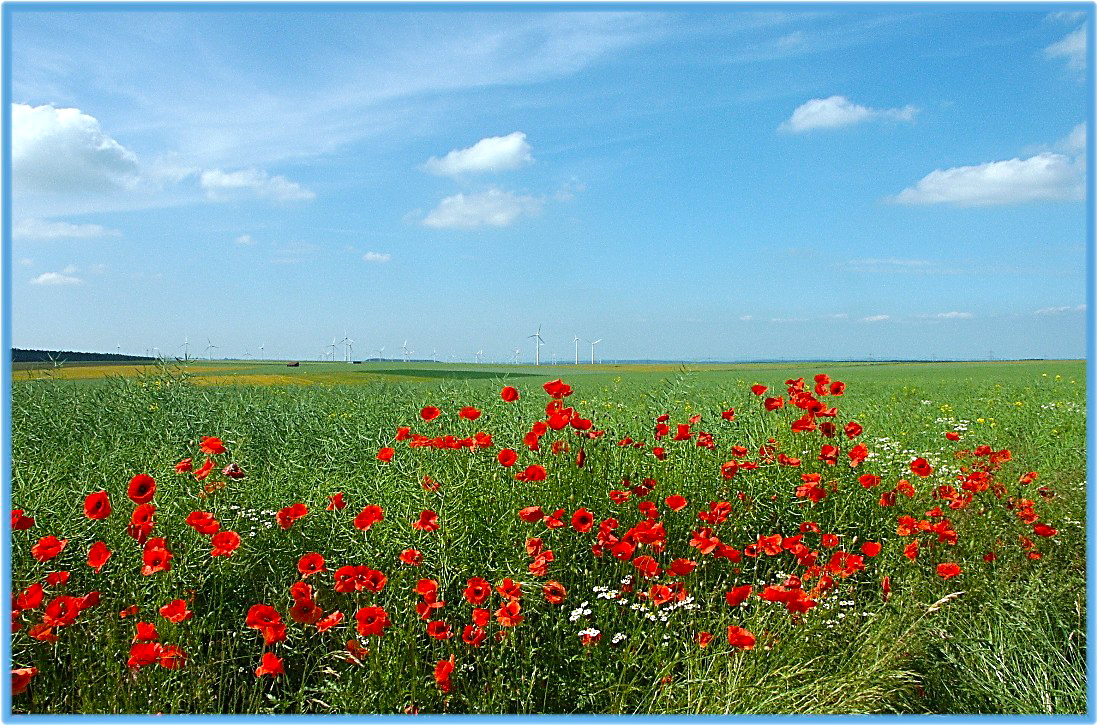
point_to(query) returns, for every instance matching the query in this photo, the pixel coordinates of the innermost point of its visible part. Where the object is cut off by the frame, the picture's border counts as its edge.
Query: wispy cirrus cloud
(838, 112)
(876, 318)
(1072, 48)
(376, 257)
(30, 228)
(1065, 309)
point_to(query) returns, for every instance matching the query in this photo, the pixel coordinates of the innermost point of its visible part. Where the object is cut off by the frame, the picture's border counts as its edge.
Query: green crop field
(660, 540)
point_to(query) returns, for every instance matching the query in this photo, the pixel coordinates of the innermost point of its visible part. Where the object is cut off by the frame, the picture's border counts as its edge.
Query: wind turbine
(381, 354)
(592, 344)
(261, 353)
(210, 348)
(117, 349)
(434, 355)
(186, 345)
(537, 346)
(480, 355)
(404, 347)
(334, 342)
(345, 342)
(553, 358)
(517, 352)
(350, 351)
(576, 349)
(247, 355)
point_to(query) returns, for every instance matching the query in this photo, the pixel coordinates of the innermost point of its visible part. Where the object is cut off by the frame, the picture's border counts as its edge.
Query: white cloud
(1059, 310)
(26, 261)
(839, 111)
(63, 150)
(40, 229)
(876, 318)
(222, 186)
(1043, 177)
(1072, 47)
(746, 318)
(70, 269)
(1075, 142)
(954, 315)
(99, 268)
(244, 240)
(55, 278)
(497, 153)
(494, 208)
(376, 257)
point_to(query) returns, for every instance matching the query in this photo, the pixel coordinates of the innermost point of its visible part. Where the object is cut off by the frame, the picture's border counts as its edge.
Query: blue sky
(724, 182)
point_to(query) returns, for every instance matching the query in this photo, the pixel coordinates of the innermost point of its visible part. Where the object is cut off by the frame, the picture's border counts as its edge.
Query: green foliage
(1012, 641)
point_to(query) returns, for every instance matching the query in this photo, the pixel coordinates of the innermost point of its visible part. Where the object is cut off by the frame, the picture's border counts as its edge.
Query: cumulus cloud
(1075, 142)
(63, 150)
(839, 111)
(376, 257)
(41, 229)
(876, 318)
(1044, 177)
(223, 186)
(495, 207)
(1072, 47)
(954, 315)
(57, 278)
(497, 153)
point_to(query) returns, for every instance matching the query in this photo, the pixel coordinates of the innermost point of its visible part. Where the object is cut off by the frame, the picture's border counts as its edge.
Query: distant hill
(25, 356)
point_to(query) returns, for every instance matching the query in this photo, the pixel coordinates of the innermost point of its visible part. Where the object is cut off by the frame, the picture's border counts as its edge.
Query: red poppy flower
(411, 557)
(647, 566)
(311, 563)
(473, 635)
(202, 473)
(507, 457)
(233, 471)
(144, 653)
(868, 480)
(261, 616)
(681, 567)
(738, 595)
(385, 454)
(477, 591)
(535, 472)
(510, 589)
(146, 632)
(758, 389)
(141, 489)
(439, 630)
(211, 446)
(509, 614)
(29, 598)
(531, 514)
(372, 621)
(870, 548)
(429, 413)
(921, 467)
(55, 578)
(702, 639)
(676, 502)
(558, 389)
(48, 547)
(19, 522)
(97, 506)
(741, 638)
(948, 570)
(291, 513)
(428, 521)
(203, 522)
(370, 515)
(305, 611)
(172, 657)
(98, 555)
(469, 413)
(329, 621)
(1044, 530)
(336, 502)
(509, 394)
(270, 665)
(176, 611)
(442, 671)
(155, 559)
(224, 543)
(20, 679)
(554, 592)
(184, 466)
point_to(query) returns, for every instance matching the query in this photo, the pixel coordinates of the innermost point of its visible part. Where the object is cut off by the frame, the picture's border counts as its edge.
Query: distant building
(293, 364)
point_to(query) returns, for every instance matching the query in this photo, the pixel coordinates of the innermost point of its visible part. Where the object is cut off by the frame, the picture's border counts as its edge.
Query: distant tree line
(19, 355)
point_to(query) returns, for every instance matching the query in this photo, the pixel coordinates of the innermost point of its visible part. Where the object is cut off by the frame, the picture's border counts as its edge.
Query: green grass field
(1005, 635)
